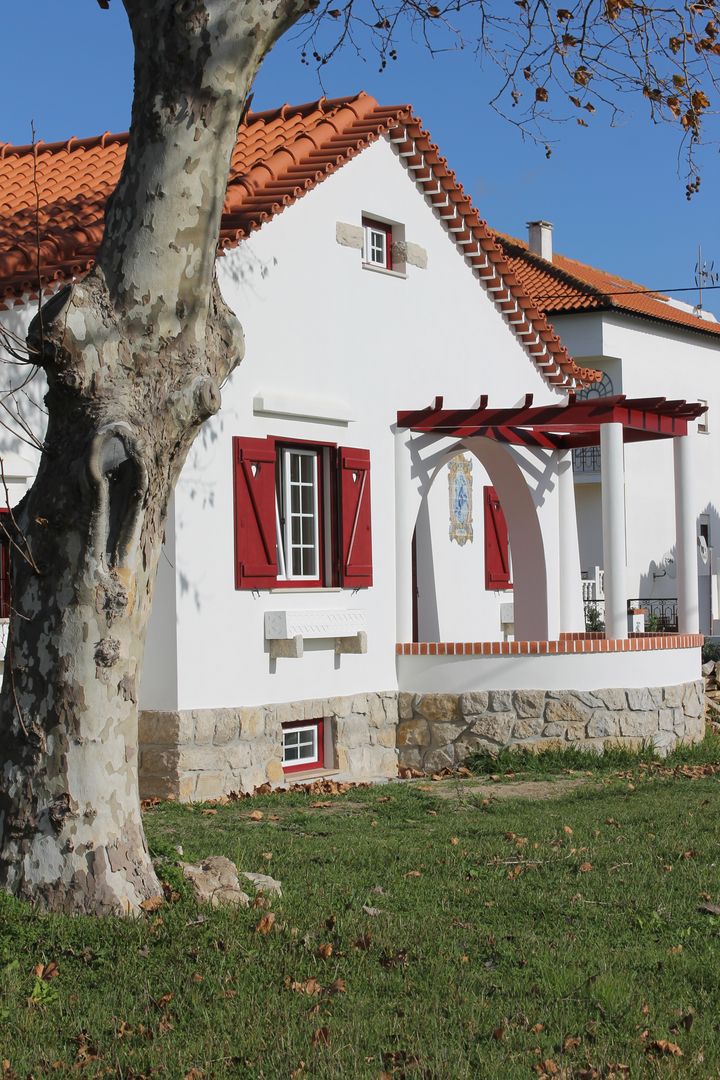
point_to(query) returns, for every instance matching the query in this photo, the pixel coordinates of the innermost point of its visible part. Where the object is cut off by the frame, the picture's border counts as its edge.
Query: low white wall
(578, 671)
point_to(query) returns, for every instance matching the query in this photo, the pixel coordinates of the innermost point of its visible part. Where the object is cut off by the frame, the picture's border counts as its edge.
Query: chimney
(540, 238)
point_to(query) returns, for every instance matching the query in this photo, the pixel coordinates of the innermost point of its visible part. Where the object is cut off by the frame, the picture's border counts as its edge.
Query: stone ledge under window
(285, 631)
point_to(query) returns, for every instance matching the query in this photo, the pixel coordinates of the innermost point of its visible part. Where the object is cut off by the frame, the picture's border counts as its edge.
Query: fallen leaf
(571, 1042)
(709, 909)
(413, 873)
(663, 1046)
(256, 815)
(454, 840)
(46, 971)
(585, 867)
(371, 910)
(498, 1034)
(325, 951)
(537, 1028)
(209, 813)
(568, 830)
(266, 923)
(321, 1037)
(152, 903)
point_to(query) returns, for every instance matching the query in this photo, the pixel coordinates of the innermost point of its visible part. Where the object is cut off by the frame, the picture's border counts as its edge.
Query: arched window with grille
(586, 459)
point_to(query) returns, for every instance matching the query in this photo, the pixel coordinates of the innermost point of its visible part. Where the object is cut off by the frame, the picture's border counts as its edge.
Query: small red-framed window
(497, 545)
(377, 246)
(4, 564)
(303, 746)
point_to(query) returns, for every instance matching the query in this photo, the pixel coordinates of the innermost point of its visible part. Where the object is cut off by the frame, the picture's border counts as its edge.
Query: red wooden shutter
(255, 532)
(355, 523)
(497, 548)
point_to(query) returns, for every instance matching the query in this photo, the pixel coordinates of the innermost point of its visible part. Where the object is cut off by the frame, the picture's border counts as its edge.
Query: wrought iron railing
(660, 615)
(586, 459)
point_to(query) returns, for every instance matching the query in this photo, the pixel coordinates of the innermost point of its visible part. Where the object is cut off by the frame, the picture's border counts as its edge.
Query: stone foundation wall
(199, 754)
(438, 731)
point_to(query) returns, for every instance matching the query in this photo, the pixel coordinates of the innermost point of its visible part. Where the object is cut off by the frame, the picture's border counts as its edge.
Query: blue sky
(613, 194)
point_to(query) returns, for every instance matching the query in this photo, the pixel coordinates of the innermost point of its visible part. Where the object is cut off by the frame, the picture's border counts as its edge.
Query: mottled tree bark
(135, 356)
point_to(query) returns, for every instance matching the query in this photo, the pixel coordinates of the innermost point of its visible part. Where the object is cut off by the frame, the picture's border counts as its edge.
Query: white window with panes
(297, 511)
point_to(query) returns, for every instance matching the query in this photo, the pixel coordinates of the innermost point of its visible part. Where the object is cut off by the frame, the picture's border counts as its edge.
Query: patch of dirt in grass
(516, 789)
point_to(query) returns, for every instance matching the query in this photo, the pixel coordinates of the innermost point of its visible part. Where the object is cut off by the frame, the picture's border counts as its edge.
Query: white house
(372, 553)
(644, 343)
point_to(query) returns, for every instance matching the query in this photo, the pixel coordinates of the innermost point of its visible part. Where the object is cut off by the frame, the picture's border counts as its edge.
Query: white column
(613, 527)
(571, 606)
(686, 535)
(405, 516)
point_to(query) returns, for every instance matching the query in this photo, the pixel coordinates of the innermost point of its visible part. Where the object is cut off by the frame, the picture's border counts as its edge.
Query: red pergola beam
(558, 426)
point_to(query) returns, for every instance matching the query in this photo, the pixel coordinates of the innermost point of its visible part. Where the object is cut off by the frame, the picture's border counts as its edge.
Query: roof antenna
(705, 274)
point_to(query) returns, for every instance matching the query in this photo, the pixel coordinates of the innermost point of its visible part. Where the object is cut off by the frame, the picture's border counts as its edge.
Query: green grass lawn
(512, 939)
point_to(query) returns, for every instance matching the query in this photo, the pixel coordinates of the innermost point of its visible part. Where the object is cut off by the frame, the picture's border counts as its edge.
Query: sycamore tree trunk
(135, 356)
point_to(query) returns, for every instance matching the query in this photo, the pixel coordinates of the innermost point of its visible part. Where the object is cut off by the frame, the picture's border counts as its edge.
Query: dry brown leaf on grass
(709, 909)
(664, 1046)
(585, 868)
(325, 951)
(321, 1037)
(372, 911)
(152, 903)
(413, 873)
(194, 1074)
(46, 971)
(337, 987)
(266, 923)
(498, 1033)
(571, 1042)
(256, 815)
(209, 813)
(454, 840)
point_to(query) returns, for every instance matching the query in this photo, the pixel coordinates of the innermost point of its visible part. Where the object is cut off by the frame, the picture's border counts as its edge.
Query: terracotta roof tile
(280, 154)
(566, 286)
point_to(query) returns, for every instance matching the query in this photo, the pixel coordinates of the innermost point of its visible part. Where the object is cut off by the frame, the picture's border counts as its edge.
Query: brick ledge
(567, 645)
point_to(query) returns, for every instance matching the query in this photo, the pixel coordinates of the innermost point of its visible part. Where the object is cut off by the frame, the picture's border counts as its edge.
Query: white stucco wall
(649, 359)
(318, 326)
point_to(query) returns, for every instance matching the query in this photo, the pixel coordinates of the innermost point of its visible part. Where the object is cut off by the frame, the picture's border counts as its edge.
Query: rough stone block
(471, 744)
(283, 714)
(227, 726)
(435, 707)
(585, 698)
(554, 731)
(340, 706)
(693, 700)
(444, 733)
(348, 235)
(252, 723)
(158, 787)
(528, 702)
(500, 701)
(411, 757)
(413, 733)
(575, 731)
(496, 727)
(664, 742)
(201, 759)
(165, 728)
(527, 728)
(204, 727)
(209, 785)
(390, 704)
(639, 699)
(387, 763)
(160, 763)
(566, 710)
(352, 731)
(377, 711)
(666, 719)
(386, 737)
(542, 746)
(612, 699)
(656, 696)
(405, 706)
(360, 704)
(637, 724)
(274, 771)
(673, 696)
(603, 724)
(238, 756)
(473, 703)
(440, 758)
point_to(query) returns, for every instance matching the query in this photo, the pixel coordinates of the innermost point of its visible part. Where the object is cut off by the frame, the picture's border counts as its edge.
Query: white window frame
(285, 544)
(376, 229)
(307, 759)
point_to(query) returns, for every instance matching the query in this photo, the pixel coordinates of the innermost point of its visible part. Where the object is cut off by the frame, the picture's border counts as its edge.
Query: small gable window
(377, 249)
